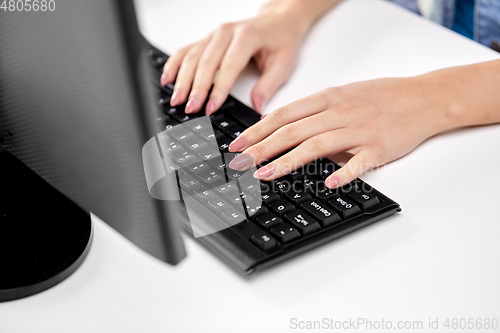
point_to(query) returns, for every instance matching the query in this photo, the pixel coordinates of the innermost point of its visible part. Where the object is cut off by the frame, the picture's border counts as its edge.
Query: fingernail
(332, 181)
(240, 162)
(164, 79)
(237, 144)
(262, 117)
(175, 98)
(191, 105)
(259, 102)
(210, 107)
(264, 172)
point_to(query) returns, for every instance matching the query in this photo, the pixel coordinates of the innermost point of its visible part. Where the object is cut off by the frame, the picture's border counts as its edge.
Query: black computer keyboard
(254, 224)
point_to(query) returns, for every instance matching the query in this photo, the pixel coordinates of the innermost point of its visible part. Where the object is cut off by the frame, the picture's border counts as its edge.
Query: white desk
(436, 259)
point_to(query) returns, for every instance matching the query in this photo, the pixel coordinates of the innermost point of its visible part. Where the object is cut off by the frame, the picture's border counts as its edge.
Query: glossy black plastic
(44, 236)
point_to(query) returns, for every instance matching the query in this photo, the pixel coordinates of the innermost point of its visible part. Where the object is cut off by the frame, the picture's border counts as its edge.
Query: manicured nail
(164, 79)
(191, 105)
(237, 144)
(175, 98)
(264, 172)
(241, 162)
(210, 107)
(332, 181)
(263, 116)
(259, 103)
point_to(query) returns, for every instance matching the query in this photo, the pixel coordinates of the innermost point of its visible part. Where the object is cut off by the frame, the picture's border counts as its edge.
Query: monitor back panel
(70, 109)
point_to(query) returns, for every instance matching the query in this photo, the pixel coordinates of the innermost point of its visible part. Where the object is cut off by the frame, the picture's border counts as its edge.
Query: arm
(272, 39)
(376, 121)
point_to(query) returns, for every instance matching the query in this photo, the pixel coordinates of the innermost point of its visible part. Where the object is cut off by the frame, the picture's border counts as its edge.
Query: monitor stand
(44, 236)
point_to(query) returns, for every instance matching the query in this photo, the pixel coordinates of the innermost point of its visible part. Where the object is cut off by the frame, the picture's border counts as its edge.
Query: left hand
(376, 121)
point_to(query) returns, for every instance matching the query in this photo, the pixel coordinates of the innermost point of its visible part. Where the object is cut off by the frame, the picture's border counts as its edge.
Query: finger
(292, 112)
(291, 135)
(356, 166)
(208, 65)
(186, 73)
(172, 66)
(276, 71)
(239, 53)
(325, 144)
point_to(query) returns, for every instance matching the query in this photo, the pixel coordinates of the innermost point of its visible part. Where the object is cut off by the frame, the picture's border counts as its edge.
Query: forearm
(303, 12)
(465, 96)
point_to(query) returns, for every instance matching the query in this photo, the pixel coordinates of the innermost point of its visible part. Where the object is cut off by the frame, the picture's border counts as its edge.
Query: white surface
(436, 259)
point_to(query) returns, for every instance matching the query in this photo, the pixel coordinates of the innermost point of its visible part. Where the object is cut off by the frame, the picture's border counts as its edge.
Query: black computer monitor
(76, 107)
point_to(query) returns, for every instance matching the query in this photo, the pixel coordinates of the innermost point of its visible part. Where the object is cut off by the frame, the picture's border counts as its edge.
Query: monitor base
(44, 236)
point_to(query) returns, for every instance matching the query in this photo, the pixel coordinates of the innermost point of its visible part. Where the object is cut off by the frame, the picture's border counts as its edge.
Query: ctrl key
(263, 240)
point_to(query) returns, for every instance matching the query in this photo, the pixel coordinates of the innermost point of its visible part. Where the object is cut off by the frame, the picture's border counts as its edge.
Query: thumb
(276, 71)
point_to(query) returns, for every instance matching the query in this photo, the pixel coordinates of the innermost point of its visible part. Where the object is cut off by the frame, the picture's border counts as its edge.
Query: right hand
(272, 39)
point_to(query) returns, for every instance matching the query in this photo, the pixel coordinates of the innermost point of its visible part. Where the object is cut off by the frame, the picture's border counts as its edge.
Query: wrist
(302, 14)
(438, 104)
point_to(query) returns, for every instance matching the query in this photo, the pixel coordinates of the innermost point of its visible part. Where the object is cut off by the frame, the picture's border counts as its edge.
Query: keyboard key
(172, 111)
(281, 207)
(285, 232)
(309, 184)
(227, 189)
(325, 215)
(365, 199)
(217, 206)
(311, 169)
(199, 125)
(280, 184)
(208, 135)
(183, 158)
(208, 153)
(269, 197)
(249, 186)
(254, 208)
(326, 168)
(222, 123)
(264, 241)
(235, 199)
(327, 194)
(302, 221)
(189, 184)
(164, 100)
(169, 88)
(198, 168)
(227, 105)
(168, 146)
(343, 206)
(219, 166)
(211, 179)
(180, 133)
(196, 145)
(234, 174)
(219, 135)
(182, 117)
(268, 220)
(235, 131)
(297, 197)
(297, 174)
(224, 145)
(204, 196)
(232, 216)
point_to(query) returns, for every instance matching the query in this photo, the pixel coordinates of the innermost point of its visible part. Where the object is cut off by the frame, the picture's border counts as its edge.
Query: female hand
(272, 39)
(376, 121)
